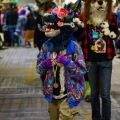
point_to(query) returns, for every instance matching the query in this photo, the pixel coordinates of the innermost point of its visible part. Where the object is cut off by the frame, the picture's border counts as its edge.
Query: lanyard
(54, 72)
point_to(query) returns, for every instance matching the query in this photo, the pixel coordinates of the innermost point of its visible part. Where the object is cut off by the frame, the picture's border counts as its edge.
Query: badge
(95, 34)
(100, 46)
(55, 85)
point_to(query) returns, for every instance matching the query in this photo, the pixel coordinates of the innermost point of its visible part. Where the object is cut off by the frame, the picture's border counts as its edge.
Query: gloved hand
(47, 63)
(62, 59)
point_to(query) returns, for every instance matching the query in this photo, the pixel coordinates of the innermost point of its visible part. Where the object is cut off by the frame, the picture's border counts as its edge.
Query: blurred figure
(5, 31)
(118, 15)
(1, 22)
(1, 19)
(20, 29)
(117, 42)
(39, 36)
(11, 21)
(29, 27)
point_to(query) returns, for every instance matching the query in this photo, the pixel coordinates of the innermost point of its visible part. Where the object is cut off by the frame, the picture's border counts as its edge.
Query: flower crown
(67, 13)
(64, 15)
(61, 13)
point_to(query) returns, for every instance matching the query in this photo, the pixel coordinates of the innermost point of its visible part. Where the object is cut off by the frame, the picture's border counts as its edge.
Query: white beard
(98, 16)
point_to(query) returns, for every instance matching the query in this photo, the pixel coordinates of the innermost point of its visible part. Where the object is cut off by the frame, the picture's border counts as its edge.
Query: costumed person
(100, 31)
(20, 28)
(62, 61)
(39, 35)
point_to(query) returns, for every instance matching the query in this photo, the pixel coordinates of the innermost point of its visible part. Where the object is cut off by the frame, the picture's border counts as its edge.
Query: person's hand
(47, 63)
(61, 59)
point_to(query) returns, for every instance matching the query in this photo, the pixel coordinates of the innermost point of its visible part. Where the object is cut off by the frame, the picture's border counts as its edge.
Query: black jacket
(39, 35)
(11, 17)
(30, 23)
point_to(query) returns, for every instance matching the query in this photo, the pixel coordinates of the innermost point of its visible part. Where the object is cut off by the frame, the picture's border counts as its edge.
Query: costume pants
(100, 81)
(59, 110)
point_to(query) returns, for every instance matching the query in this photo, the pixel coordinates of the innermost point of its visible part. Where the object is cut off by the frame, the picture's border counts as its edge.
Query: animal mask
(59, 26)
(45, 6)
(95, 9)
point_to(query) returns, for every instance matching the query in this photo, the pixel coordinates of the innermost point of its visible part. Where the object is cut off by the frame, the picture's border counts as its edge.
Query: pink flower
(62, 13)
(60, 24)
(55, 10)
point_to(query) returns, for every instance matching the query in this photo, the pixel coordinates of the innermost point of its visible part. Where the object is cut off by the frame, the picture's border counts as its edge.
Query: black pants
(42, 78)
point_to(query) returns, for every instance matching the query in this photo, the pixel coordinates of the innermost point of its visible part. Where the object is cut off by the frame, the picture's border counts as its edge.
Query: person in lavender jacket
(61, 60)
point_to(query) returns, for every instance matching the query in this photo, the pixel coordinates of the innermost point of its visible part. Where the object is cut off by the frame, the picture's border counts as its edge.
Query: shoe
(88, 98)
(117, 51)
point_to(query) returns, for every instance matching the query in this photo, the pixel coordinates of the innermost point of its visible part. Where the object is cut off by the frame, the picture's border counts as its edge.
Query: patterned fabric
(110, 49)
(74, 73)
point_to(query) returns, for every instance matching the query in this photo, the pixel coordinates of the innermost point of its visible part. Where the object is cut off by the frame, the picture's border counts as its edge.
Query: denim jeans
(117, 43)
(100, 82)
(11, 30)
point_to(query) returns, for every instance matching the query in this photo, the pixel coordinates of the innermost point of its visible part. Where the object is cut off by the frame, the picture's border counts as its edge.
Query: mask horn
(73, 8)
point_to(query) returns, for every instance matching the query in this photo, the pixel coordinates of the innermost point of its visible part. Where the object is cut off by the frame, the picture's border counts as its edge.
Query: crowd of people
(18, 25)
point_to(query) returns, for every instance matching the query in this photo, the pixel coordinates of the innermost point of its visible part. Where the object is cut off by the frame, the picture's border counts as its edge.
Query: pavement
(21, 95)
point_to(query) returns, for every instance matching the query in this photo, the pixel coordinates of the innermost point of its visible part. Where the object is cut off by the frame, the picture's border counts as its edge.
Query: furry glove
(62, 59)
(47, 63)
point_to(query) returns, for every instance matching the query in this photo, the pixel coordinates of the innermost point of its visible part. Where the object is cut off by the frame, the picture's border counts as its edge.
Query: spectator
(117, 42)
(39, 36)
(20, 29)
(29, 29)
(5, 31)
(10, 14)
